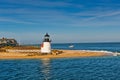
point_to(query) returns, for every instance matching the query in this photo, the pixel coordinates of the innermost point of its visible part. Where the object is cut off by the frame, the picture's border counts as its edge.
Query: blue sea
(113, 47)
(87, 68)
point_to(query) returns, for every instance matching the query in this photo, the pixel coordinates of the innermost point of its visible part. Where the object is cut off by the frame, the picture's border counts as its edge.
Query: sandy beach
(65, 54)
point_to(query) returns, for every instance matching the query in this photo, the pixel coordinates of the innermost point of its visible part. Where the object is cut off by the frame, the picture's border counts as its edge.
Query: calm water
(92, 68)
(114, 47)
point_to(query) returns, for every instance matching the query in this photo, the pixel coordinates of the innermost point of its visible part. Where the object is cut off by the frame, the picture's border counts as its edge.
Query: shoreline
(65, 54)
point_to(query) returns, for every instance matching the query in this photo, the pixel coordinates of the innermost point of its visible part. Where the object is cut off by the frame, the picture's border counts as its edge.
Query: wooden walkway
(23, 51)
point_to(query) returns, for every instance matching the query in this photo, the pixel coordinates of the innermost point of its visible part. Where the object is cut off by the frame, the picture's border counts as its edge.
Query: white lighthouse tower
(46, 45)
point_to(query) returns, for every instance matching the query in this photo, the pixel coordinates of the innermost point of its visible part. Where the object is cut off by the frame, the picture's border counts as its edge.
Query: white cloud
(15, 21)
(39, 3)
(104, 14)
(36, 15)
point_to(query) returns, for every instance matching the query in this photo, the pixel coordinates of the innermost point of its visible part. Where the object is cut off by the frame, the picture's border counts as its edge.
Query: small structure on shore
(46, 44)
(8, 42)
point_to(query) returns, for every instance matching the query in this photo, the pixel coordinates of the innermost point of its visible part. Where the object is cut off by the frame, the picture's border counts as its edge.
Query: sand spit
(64, 54)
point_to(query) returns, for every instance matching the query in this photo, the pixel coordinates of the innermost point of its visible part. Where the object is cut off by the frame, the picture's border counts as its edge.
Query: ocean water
(113, 47)
(91, 68)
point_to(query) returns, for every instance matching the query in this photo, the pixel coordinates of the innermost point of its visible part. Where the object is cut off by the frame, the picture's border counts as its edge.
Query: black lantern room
(47, 38)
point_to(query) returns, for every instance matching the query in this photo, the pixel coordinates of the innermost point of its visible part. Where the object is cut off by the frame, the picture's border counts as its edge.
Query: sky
(66, 21)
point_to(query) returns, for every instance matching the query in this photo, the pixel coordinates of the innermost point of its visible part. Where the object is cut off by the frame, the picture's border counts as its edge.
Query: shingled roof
(8, 42)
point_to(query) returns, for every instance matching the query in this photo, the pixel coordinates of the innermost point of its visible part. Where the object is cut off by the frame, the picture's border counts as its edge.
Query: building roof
(46, 35)
(8, 41)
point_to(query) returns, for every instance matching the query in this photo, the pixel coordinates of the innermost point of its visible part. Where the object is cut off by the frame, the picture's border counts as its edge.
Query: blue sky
(65, 20)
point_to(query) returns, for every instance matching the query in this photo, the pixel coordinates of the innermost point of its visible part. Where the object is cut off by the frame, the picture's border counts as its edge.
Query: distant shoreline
(65, 54)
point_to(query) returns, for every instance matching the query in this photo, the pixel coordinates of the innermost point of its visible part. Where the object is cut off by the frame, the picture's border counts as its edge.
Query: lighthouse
(46, 44)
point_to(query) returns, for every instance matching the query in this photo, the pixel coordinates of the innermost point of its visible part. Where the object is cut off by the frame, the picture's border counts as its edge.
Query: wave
(104, 51)
(98, 51)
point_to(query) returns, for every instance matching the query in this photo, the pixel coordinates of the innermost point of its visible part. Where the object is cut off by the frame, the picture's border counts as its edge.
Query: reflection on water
(93, 68)
(46, 68)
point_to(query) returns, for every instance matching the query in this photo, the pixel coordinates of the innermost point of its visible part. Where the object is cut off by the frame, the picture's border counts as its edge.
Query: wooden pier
(23, 51)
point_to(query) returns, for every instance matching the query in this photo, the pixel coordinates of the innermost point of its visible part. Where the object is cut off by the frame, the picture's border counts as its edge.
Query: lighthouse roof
(46, 35)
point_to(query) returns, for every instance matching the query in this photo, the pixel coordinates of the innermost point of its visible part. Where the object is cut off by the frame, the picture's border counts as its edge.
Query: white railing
(23, 51)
